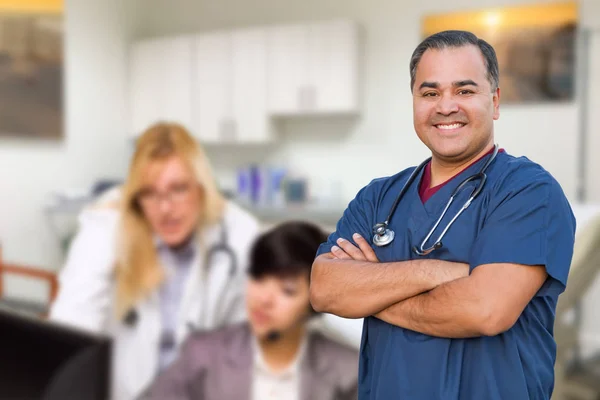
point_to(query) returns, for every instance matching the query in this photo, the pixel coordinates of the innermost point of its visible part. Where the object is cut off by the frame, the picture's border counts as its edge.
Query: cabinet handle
(300, 96)
(312, 97)
(222, 130)
(233, 130)
(227, 130)
(307, 98)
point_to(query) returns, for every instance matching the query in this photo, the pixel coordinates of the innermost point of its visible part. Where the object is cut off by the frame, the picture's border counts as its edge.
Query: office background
(346, 150)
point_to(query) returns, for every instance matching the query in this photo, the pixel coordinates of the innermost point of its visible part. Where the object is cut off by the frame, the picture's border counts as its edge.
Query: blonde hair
(138, 271)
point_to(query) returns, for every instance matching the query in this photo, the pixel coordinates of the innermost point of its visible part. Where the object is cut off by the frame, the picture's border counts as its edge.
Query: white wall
(392, 30)
(94, 146)
(591, 11)
(589, 310)
(329, 148)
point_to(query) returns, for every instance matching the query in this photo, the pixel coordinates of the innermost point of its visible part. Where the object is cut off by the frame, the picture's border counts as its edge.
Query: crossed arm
(434, 297)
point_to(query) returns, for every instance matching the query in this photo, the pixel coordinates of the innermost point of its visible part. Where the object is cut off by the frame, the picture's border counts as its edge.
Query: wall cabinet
(226, 86)
(160, 73)
(230, 87)
(314, 68)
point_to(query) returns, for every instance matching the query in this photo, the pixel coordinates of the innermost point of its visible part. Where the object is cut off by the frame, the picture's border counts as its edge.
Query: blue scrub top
(522, 216)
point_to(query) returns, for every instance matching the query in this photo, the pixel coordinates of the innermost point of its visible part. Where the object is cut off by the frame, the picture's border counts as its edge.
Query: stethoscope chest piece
(131, 318)
(382, 235)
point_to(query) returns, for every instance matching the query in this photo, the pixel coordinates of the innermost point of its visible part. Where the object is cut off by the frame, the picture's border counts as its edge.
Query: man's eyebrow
(436, 85)
(465, 82)
(431, 85)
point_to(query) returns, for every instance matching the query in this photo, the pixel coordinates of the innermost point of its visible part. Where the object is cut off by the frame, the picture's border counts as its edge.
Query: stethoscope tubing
(131, 318)
(383, 235)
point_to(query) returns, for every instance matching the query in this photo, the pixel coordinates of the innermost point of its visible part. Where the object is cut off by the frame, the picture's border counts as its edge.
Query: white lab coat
(87, 291)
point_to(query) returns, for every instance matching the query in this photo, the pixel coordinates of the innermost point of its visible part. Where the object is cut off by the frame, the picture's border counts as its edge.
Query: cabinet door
(145, 85)
(176, 98)
(249, 86)
(212, 88)
(333, 66)
(287, 75)
(160, 82)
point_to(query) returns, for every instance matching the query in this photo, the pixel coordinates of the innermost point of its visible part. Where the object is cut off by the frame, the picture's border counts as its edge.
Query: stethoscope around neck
(383, 235)
(222, 246)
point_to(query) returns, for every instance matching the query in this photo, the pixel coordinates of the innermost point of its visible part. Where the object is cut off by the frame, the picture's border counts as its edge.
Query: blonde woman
(160, 257)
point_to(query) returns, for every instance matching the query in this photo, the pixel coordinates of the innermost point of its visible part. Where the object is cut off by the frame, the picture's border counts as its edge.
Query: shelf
(318, 214)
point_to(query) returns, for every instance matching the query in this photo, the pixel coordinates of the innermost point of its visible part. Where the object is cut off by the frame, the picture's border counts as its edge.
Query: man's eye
(465, 91)
(429, 94)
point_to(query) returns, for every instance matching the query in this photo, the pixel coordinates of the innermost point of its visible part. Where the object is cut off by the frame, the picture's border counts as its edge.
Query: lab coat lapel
(206, 287)
(194, 303)
(136, 361)
(218, 280)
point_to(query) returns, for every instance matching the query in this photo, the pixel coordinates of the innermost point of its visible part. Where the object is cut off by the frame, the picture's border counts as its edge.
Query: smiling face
(454, 105)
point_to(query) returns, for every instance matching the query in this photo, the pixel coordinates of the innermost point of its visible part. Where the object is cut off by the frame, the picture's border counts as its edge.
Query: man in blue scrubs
(473, 320)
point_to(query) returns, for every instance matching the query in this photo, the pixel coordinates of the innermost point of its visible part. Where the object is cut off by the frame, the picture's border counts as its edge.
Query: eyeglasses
(178, 193)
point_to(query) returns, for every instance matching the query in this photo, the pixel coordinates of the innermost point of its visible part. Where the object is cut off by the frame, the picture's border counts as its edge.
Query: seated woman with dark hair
(274, 355)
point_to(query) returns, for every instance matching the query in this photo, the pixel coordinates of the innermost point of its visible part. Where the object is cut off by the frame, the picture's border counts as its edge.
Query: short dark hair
(287, 250)
(455, 38)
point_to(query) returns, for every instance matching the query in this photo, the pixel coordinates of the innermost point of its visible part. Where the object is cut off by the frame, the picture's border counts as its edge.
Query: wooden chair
(31, 307)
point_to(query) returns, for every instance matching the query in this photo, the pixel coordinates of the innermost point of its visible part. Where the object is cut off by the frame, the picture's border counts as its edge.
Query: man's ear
(496, 101)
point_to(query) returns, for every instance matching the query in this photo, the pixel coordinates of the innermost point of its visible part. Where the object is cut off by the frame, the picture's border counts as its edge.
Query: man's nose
(447, 105)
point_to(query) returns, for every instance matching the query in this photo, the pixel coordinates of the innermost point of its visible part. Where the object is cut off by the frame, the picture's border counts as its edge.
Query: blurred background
(298, 103)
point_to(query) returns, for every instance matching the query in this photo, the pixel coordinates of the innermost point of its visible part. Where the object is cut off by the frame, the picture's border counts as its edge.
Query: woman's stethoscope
(223, 247)
(383, 235)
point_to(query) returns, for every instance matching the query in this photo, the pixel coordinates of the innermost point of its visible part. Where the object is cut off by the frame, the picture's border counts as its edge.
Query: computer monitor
(44, 360)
